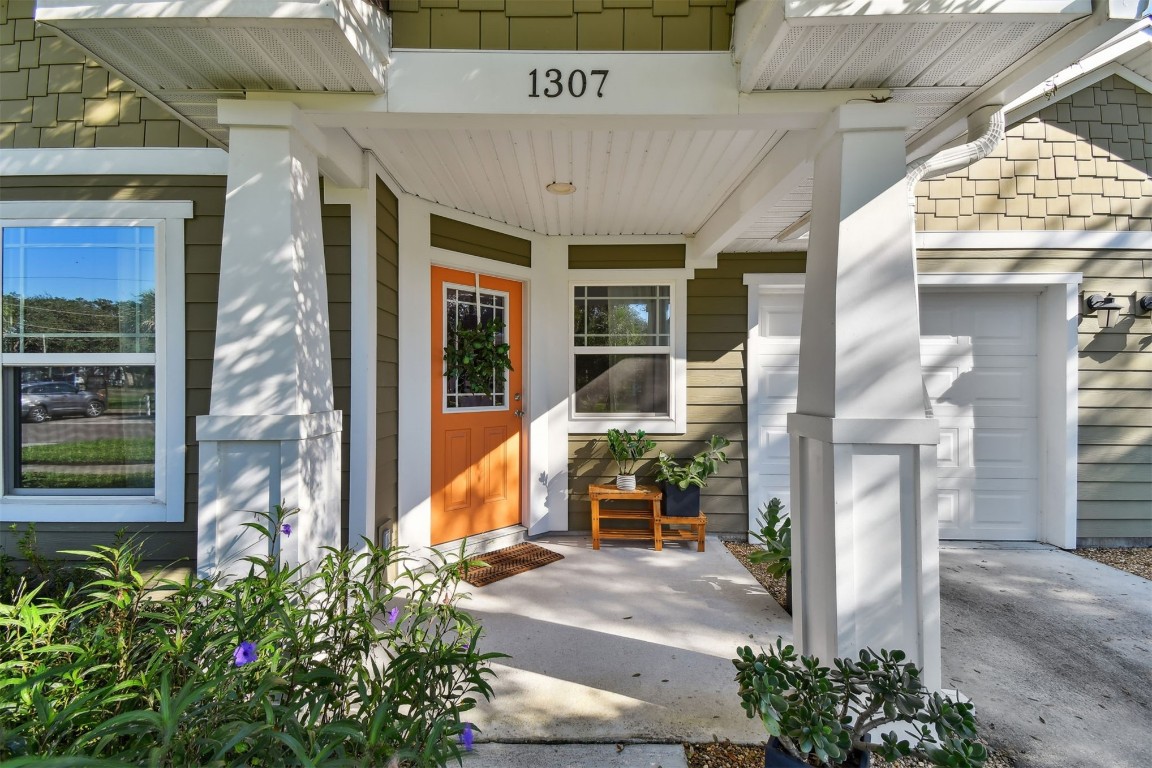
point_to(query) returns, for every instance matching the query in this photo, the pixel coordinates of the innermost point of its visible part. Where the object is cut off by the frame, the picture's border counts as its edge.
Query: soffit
(188, 54)
(638, 182)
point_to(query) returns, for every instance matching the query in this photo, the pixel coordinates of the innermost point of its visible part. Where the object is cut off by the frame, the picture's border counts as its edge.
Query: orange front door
(476, 438)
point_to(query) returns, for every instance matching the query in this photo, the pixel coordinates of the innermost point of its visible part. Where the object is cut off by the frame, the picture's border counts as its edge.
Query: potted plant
(775, 536)
(627, 449)
(478, 357)
(818, 716)
(682, 482)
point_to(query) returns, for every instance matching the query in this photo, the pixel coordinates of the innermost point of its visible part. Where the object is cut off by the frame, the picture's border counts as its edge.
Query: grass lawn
(133, 450)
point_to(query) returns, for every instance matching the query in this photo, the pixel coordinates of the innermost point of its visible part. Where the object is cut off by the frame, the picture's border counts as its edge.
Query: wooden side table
(600, 493)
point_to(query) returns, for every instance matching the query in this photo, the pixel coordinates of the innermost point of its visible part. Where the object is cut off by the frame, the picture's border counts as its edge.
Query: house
(250, 227)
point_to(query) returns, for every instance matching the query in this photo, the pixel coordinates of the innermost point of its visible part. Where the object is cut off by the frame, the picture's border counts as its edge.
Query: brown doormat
(509, 561)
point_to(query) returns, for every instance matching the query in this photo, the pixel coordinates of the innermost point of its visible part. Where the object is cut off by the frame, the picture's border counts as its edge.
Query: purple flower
(393, 615)
(286, 529)
(466, 737)
(245, 653)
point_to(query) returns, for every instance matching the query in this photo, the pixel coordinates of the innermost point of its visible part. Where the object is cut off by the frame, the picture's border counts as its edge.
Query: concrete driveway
(1054, 649)
(631, 645)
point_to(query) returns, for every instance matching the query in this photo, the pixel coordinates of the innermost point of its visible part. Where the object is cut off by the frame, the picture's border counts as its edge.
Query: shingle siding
(53, 96)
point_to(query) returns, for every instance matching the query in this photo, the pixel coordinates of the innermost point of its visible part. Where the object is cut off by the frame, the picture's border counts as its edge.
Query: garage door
(980, 366)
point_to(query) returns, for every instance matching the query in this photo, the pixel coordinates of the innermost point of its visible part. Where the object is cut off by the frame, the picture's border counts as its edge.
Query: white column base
(248, 465)
(866, 564)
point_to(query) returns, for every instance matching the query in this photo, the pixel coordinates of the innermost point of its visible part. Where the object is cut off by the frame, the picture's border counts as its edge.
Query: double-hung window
(627, 366)
(91, 358)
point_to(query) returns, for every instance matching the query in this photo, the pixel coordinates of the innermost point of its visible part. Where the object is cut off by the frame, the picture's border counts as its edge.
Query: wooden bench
(654, 522)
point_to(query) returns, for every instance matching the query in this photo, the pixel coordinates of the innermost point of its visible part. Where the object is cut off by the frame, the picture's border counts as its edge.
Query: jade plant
(775, 536)
(821, 715)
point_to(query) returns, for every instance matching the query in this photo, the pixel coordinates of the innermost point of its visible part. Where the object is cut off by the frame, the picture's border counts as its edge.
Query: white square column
(272, 434)
(863, 475)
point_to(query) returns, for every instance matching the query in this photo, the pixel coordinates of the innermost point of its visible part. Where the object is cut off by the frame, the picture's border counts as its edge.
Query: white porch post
(271, 433)
(863, 452)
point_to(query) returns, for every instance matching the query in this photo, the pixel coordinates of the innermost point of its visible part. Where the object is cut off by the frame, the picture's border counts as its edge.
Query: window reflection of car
(40, 402)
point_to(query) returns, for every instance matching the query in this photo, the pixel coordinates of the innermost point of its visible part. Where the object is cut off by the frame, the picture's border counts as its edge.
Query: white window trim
(677, 420)
(167, 503)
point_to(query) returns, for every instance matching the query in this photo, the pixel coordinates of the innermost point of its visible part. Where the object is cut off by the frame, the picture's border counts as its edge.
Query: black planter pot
(776, 757)
(678, 503)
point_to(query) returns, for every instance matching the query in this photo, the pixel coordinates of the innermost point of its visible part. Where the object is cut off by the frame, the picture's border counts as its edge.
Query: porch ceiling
(946, 57)
(630, 182)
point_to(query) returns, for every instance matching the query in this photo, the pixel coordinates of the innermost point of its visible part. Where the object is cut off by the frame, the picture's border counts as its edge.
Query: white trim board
(144, 161)
(1048, 240)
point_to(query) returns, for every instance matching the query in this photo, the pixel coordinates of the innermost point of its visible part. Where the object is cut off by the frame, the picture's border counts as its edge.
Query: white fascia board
(104, 162)
(73, 211)
(52, 10)
(500, 82)
(1054, 240)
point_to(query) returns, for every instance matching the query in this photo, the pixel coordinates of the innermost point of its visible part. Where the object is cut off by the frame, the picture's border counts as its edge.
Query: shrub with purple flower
(328, 638)
(245, 653)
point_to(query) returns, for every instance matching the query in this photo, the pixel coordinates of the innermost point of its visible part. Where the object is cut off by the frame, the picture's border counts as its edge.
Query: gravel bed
(725, 754)
(776, 587)
(1136, 560)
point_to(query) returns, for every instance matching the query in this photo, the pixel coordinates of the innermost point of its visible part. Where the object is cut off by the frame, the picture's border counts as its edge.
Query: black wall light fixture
(1107, 309)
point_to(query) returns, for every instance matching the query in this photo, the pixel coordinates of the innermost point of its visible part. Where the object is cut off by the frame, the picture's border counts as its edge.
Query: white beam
(786, 165)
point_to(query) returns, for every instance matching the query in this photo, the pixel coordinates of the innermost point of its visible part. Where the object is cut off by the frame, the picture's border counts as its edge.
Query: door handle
(519, 413)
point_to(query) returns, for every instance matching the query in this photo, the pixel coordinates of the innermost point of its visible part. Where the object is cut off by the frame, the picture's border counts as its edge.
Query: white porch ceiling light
(561, 187)
(1107, 309)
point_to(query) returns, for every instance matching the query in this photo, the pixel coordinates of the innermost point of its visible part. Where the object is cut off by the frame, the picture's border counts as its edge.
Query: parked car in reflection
(44, 400)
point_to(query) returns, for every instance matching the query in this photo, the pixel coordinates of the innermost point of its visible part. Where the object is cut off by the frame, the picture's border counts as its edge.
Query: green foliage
(775, 536)
(53, 576)
(344, 667)
(821, 714)
(106, 451)
(477, 357)
(146, 478)
(698, 469)
(627, 448)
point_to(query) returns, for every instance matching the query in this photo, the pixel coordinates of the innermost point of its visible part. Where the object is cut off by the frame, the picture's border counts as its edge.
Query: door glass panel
(464, 308)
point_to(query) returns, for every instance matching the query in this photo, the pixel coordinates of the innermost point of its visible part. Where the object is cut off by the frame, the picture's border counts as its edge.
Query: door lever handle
(519, 413)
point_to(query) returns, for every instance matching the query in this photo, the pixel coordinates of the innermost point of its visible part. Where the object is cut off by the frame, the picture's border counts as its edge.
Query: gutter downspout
(989, 120)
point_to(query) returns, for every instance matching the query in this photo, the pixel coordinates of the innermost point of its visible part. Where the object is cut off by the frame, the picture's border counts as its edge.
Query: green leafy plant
(698, 469)
(627, 448)
(775, 536)
(477, 356)
(821, 714)
(333, 665)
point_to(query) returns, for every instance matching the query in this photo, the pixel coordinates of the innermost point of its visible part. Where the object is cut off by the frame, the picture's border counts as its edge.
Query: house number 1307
(577, 82)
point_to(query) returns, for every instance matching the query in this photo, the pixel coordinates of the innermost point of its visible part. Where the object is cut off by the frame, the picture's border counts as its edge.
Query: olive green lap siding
(669, 256)
(337, 229)
(717, 396)
(387, 355)
(583, 25)
(53, 96)
(454, 235)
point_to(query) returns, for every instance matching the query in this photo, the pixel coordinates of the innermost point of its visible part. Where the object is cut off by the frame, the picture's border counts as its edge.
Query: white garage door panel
(979, 357)
(985, 385)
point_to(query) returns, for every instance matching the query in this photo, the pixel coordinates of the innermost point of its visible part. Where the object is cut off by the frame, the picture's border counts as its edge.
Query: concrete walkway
(622, 654)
